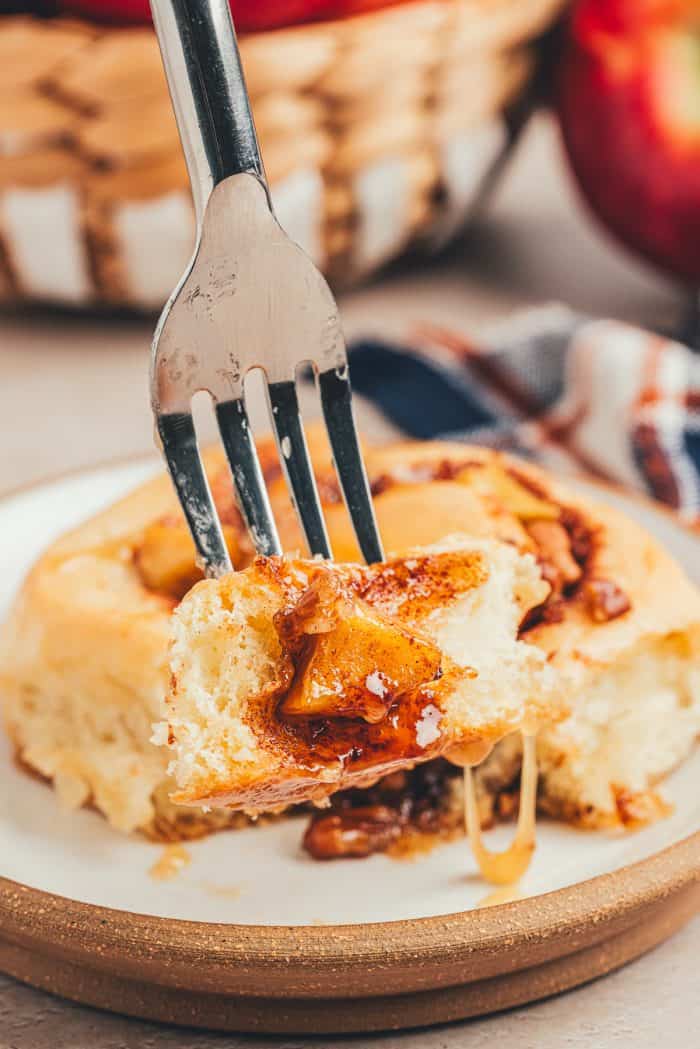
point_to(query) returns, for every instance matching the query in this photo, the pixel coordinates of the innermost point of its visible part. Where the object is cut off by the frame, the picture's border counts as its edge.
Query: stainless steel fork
(250, 298)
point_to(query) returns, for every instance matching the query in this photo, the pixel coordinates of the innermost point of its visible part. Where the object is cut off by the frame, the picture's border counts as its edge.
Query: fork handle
(205, 78)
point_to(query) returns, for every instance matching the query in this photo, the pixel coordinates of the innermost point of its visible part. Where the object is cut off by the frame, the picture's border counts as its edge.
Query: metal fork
(250, 298)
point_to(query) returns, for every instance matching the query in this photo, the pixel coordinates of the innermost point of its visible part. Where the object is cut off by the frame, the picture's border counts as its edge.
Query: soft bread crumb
(629, 724)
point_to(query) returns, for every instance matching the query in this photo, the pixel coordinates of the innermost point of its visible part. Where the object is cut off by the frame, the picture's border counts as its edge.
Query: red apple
(629, 104)
(249, 15)
(108, 10)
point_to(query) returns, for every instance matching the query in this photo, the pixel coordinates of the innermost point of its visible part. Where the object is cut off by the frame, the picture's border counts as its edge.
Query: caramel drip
(171, 861)
(503, 894)
(504, 868)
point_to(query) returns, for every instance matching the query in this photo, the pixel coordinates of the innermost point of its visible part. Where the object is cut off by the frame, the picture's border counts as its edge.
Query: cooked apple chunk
(351, 661)
(166, 556)
(295, 678)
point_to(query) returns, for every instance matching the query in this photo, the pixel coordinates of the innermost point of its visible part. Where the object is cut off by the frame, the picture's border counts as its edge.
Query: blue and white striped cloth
(578, 394)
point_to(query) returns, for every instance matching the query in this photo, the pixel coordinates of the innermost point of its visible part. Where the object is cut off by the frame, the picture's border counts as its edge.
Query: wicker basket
(375, 132)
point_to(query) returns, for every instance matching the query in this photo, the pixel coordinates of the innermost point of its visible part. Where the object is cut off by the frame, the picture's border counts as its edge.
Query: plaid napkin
(579, 395)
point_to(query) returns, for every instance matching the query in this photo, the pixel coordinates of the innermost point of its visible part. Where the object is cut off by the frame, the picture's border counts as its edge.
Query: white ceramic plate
(261, 876)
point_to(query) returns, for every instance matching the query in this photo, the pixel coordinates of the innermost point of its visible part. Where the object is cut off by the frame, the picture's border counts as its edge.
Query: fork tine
(336, 401)
(179, 441)
(248, 480)
(296, 464)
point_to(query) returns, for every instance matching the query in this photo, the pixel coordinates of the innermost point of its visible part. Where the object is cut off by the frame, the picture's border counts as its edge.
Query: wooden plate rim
(308, 961)
(398, 956)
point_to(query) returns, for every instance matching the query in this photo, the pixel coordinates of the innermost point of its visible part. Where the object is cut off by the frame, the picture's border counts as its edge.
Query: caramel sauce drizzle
(505, 868)
(503, 894)
(170, 862)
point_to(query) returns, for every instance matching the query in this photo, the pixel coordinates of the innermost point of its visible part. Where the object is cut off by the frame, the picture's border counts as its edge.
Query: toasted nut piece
(554, 548)
(354, 832)
(605, 600)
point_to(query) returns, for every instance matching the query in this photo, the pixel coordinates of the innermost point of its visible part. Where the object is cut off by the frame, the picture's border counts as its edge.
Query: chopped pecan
(554, 548)
(423, 801)
(581, 537)
(355, 832)
(552, 611)
(605, 600)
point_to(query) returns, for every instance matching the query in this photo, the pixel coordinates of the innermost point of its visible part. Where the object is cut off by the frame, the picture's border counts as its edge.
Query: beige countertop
(73, 392)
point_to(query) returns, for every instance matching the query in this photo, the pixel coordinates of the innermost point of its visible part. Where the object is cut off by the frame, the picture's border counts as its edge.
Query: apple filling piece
(351, 661)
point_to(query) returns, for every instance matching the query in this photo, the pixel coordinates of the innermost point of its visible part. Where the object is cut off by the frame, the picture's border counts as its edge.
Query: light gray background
(73, 392)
